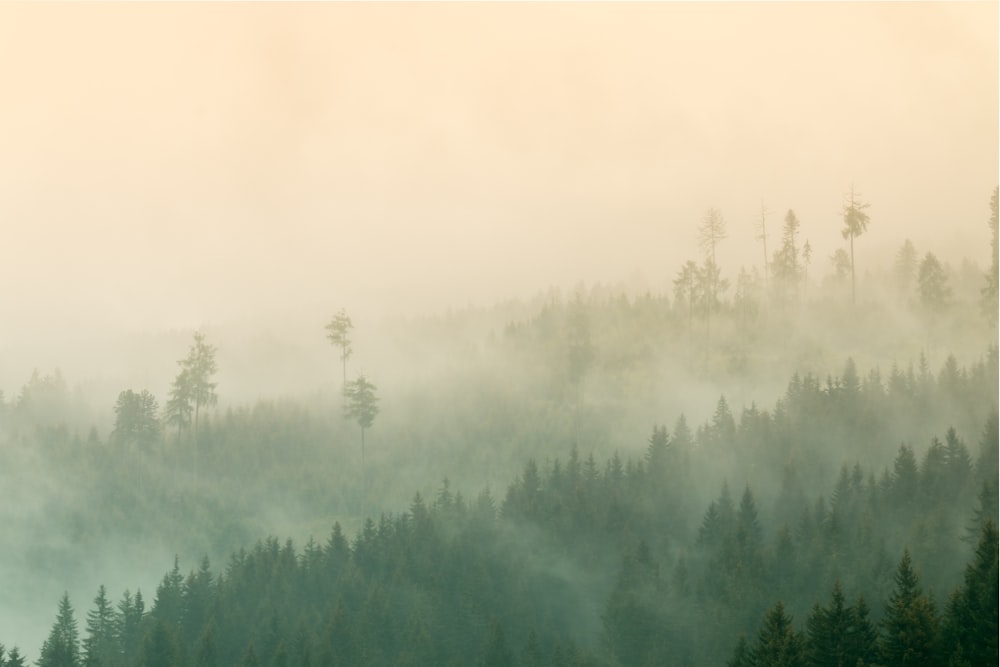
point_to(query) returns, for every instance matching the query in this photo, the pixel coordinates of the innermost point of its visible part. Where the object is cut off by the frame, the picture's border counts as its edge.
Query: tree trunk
(364, 486)
(194, 440)
(852, 270)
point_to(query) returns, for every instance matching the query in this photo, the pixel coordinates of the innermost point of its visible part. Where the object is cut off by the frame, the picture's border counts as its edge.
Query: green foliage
(62, 648)
(778, 643)
(100, 646)
(932, 284)
(970, 627)
(193, 387)
(910, 625)
(136, 419)
(362, 403)
(338, 332)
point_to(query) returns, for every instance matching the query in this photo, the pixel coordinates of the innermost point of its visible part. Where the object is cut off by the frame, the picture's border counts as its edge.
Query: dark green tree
(970, 626)
(778, 643)
(910, 626)
(15, 659)
(840, 635)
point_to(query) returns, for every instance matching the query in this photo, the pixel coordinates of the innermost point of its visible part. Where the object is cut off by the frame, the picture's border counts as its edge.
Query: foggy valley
(511, 334)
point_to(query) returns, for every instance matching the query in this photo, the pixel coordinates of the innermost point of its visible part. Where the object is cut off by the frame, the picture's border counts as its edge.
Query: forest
(795, 465)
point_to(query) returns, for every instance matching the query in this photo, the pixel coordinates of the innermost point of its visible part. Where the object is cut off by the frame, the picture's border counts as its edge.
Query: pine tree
(840, 635)
(100, 645)
(778, 644)
(128, 623)
(62, 648)
(15, 659)
(910, 627)
(970, 626)
(863, 638)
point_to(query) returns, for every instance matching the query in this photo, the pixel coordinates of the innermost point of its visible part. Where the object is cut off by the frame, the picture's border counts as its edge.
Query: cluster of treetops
(583, 563)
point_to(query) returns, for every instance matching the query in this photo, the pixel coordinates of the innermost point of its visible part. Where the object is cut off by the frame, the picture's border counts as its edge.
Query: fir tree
(778, 644)
(909, 628)
(62, 648)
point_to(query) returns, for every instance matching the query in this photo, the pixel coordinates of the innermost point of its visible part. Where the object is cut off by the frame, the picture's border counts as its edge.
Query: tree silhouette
(910, 625)
(855, 224)
(62, 648)
(338, 333)
(193, 388)
(932, 283)
(362, 406)
(989, 292)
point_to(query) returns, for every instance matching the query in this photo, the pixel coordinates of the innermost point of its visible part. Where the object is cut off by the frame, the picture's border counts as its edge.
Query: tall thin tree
(193, 387)
(762, 236)
(362, 406)
(338, 333)
(855, 224)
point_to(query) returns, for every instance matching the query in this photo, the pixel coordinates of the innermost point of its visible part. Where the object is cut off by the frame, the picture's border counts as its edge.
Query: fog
(170, 166)
(454, 176)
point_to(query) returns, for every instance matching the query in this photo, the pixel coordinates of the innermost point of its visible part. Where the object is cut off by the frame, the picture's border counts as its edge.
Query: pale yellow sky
(182, 164)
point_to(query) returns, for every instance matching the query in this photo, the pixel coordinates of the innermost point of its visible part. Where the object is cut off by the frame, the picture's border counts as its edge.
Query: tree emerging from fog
(362, 406)
(855, 224)
(193, 389)
(989, 293)
(932, 283)
(136, 420)
(339, 334)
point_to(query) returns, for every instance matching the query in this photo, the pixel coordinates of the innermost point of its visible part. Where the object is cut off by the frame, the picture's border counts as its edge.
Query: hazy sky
(174, 165)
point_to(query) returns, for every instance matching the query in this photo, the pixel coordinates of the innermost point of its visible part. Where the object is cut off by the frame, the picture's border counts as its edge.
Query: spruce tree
(910, 627)
(778, 643)
(62, 648)
(970, 627)
(100, 645)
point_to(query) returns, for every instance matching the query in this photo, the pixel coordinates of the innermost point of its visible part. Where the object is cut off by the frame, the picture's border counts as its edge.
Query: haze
(172, 165)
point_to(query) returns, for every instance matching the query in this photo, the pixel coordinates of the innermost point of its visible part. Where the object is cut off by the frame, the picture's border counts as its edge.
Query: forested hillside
(611, 334)
(606, 477)
(585, 560)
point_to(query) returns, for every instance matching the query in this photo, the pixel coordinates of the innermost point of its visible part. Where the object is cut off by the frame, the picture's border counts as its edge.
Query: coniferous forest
(499, 334)
(849, 520)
